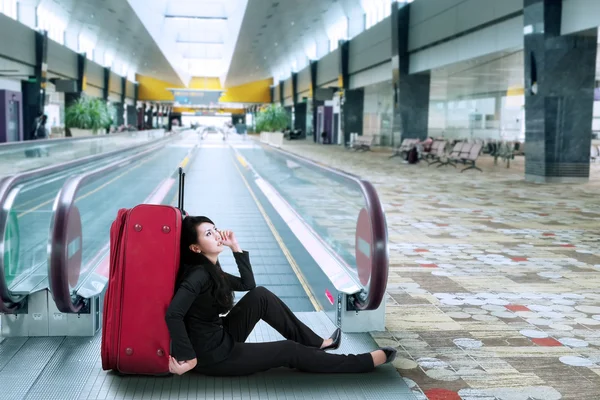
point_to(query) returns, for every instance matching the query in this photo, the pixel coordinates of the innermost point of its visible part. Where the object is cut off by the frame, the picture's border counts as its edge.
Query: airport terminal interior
(423, 175)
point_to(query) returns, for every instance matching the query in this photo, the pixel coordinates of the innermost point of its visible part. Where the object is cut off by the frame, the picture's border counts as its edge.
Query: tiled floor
(494, 288)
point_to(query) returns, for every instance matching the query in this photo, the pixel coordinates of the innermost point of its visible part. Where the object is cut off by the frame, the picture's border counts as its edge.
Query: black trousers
(301, 350)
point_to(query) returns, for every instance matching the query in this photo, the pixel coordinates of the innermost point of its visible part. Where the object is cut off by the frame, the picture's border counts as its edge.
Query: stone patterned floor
(494, 289)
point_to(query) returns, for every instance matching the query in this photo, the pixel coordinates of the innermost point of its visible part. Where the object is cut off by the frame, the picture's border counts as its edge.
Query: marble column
(411, 91)
(71, 98)
(294, 88)
(121, 105)
(559, 95)
(34, 89)
(314, 68)
(281, 93)
(352, 99)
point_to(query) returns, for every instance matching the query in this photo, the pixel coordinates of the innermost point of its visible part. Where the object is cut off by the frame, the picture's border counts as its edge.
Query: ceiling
(277, 35)
(112, 27)
(173, 40)
(241, 41)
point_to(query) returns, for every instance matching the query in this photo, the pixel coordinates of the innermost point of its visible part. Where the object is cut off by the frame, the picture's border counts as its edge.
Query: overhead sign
(197, 97)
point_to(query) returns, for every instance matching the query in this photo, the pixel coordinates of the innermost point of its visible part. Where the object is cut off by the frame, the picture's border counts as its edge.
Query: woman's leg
(249, 358)
(259, 303)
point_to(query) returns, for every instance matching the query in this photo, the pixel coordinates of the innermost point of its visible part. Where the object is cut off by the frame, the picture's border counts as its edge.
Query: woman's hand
(228, 239)
(181, 367)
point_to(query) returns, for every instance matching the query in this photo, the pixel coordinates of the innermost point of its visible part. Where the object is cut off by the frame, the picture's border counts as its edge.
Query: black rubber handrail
(10, 303)
(380, 260)
(58, 279)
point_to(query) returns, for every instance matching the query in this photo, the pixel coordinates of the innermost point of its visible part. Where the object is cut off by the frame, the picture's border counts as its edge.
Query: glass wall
(378, 112)
(479, 99)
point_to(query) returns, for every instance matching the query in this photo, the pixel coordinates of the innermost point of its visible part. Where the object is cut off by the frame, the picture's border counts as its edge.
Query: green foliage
(88, 113)
(273, 118)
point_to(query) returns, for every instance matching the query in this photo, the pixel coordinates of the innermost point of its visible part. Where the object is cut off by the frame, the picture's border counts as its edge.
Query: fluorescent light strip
(197, 42)
(197, 17)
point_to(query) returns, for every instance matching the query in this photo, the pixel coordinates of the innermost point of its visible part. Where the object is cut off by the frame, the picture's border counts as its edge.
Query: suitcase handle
(181, 190)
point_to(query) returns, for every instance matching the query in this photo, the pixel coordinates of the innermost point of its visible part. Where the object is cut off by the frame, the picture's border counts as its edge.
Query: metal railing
(379, 270)
(9, 302)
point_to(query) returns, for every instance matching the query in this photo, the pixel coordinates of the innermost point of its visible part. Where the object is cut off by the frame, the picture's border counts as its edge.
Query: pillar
(106, 86)
(294, 88)
(281, 93)
(559, 95)
(314, 68)
(352, 108)
(34, 89)
(121, 106)
(411, 91)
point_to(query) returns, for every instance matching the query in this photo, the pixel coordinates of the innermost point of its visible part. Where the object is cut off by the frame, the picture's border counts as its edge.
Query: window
(9, 8)
(337, 32)
(47, 21)
(108, 59)
(86, 46)
(311, 51)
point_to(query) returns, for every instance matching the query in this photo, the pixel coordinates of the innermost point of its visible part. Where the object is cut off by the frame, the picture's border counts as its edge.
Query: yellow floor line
(279, 240)
(91, 192)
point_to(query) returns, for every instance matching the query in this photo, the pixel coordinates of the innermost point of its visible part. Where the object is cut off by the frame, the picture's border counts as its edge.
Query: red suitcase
(144, 260)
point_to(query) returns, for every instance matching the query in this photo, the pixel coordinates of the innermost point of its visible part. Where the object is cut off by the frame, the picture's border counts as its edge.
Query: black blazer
(193, 319)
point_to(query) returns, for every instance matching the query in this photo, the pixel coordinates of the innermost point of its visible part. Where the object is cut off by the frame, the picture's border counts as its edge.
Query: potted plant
(88, 116)
(270, 122)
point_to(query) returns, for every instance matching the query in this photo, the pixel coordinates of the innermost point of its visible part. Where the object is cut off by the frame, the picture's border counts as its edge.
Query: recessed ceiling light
(92, 16)
(292, 23)
(275, 43)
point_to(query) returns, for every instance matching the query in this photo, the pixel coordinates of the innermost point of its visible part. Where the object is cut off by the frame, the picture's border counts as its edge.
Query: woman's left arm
(242, 259)
(246, 279)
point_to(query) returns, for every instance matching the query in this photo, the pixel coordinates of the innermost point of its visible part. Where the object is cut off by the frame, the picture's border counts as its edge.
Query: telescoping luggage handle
(181, 189)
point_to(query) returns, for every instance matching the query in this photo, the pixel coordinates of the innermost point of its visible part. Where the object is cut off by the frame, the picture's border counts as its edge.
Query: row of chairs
(595, 152)
(463, 152)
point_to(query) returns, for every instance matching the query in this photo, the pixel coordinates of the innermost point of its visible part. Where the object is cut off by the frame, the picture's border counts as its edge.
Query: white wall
(371, 47)
(329, 68)
(507, 35)
(62, 60)
(17, 41)
(304, 79)
(578, 15)
(10, 84)
(381, 73)
(434, 20)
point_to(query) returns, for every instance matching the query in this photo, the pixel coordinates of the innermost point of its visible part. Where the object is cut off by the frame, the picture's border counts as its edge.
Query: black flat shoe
(390, 354)
(336, 337)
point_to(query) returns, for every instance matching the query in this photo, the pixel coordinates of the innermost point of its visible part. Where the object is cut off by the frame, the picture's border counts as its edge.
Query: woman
(208, 343)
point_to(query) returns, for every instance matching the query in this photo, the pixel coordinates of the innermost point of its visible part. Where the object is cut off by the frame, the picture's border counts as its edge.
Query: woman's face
(209, 239)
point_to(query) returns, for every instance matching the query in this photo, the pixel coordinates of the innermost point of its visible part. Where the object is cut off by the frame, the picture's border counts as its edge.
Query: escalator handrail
(58, 280)
(380, 259)
(7, 300)
(10, 146)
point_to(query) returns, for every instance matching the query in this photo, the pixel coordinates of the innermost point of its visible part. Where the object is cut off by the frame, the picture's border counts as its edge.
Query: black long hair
(221, 290)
